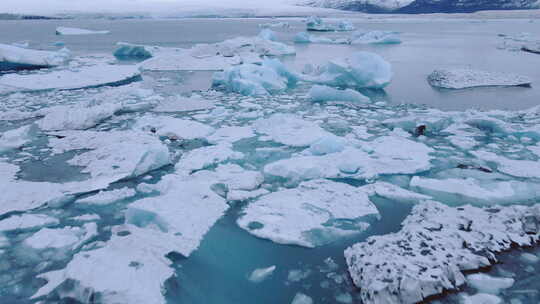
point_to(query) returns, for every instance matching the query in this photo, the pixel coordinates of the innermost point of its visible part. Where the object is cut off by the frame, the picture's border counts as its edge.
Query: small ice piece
(290, 130)
(136, 51)
(77, 117)
(87, 218)
(316, 24)
(27, 221)
(233, 176)
(475, 191)
(482, 298)
(261, 274)
(320, 93)
(183, 104)
(206, 156)
(112, 156)
(86, 77)
(130, 268)
(360, 70)
(301, 298)
(487, 284)
(344, 298)
(16, 58)
(446, 241)
(375, 37)
(328, 144)
(62, 238)
(61, 30)
(174, 128)
(183, 212)
(297, 275)
(529, 258)
(16, 138)
(304, 37)
(108, 197)
(393, 192)
(230, 134)
(468, 78)
(271, 77)
(316, 213)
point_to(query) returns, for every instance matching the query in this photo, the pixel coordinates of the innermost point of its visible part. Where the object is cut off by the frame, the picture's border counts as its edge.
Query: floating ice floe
(183, 212)
(232, 176)
(206, 156)
(304, 37)
(382, 158)
(16, 138)
(61, 30)
(275, 25)
(455, 190)
(301, 298)
(320, 93)
(393, 192)
(360, 70)
(112, 156)
(130, 268)
(261, 274)
(86, 77)
(228, 134)
(289, 129)
(27, 221)
(17, 58)
(174, 128)
(468, 78)
(436, 243)
(514, 167)
(183, 104)
(271, 77)
(66, 238)
(318, 25)
(375, 37)
(215, 57)
(487, 284)
(529, 258)
(328, 144)
(482, 298)
(268, 35)
(316, 213)
(108, 197)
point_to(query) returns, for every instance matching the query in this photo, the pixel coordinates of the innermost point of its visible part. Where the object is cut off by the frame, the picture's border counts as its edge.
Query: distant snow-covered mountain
(423, 6)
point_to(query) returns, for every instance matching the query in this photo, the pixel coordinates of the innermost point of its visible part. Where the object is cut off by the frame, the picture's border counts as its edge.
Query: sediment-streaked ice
(468, 78)
(62, 30)
(316, 213)
(15, 58)
(427, 256)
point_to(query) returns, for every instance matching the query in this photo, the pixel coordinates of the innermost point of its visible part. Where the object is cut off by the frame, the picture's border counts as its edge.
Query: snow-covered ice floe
(17, 58)
(62, 30)
(315, 213)
(435, 246)
(360, 70)
(468, 78)
(317, 24)
(86, 77)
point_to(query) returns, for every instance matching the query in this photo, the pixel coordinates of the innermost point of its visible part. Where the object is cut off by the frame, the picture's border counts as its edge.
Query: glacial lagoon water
(218, 271)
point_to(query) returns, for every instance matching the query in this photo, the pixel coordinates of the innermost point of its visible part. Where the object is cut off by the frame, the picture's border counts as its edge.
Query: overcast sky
(127, 6)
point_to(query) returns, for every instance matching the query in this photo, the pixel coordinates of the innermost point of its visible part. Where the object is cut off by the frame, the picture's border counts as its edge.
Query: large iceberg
(271, 77)
(435, 245)
(16, 58)
(315, 213)
(62, 30)
(360, 70)
(86, 77)
(468, 78)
